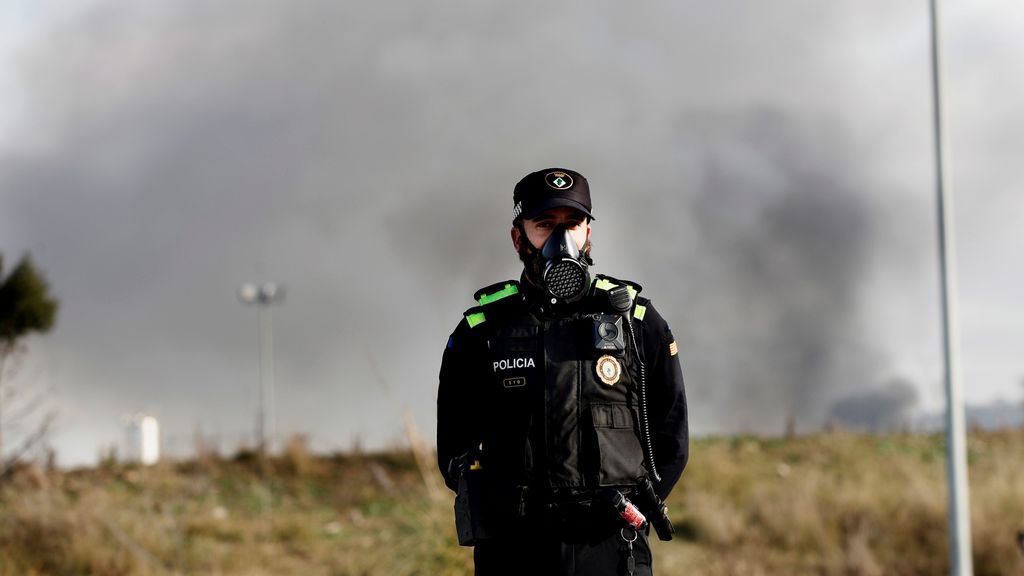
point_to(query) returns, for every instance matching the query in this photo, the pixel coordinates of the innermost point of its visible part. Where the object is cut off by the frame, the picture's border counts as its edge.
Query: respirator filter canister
(565, 274)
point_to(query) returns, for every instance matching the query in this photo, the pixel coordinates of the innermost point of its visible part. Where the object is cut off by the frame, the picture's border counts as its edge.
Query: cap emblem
(558, 180)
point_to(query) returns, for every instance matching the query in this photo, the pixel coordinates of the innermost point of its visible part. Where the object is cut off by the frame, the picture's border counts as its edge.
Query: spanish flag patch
(673, 349)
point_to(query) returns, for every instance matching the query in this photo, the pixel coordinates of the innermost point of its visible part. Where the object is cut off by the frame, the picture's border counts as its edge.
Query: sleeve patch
(451, 342)
(673, 349)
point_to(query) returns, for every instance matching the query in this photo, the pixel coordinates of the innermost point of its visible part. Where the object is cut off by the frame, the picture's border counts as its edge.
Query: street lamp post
(960, 556)
(263, 296)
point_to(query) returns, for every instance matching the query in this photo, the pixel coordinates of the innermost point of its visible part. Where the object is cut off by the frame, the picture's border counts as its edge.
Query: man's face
(541, 226)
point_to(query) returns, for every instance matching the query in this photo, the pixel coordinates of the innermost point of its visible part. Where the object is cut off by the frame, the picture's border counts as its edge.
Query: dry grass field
(836, 503)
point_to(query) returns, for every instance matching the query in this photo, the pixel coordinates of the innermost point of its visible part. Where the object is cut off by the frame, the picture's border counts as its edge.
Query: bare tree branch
(34, 440)
(30, 407)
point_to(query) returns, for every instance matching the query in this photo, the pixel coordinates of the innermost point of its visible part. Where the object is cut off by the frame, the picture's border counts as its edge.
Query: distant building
(142, 439)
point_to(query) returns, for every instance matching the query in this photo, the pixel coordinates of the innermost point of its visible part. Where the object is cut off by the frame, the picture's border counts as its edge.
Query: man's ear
(516, 238)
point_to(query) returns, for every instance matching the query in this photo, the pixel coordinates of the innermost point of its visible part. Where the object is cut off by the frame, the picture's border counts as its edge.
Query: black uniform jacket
(463, 413)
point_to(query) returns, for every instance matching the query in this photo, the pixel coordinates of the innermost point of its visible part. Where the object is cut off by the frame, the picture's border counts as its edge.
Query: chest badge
(608, 369)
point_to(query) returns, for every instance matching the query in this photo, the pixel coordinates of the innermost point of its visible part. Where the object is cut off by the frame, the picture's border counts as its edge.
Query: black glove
(457, 466)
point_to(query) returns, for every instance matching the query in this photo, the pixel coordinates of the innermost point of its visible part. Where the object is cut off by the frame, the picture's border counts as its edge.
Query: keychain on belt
(630, 561)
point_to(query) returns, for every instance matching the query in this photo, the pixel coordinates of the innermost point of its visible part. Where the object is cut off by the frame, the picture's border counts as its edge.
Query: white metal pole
(960, 561)
(271, 425)
(261, 428)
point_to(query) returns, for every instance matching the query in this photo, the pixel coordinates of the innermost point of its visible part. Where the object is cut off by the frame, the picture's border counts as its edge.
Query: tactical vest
(550, 420)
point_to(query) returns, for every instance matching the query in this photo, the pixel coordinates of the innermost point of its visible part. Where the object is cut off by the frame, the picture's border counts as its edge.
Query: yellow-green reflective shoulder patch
(639, 311)
(475, 319)
(508, 290)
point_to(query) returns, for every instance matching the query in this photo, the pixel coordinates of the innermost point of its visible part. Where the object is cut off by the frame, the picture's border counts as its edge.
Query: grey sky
(764, 171)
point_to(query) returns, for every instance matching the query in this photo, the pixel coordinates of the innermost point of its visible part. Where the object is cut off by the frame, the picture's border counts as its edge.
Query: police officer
(561, 411)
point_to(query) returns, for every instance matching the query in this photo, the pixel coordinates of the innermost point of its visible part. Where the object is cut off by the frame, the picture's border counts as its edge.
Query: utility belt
(567, 515)
(569, 500)
(579, 515)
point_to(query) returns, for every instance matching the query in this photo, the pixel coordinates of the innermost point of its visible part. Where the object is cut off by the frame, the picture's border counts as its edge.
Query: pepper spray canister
(627, 510)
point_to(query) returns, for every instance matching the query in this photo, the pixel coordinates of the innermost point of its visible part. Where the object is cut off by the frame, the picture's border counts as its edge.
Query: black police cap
(551, 188)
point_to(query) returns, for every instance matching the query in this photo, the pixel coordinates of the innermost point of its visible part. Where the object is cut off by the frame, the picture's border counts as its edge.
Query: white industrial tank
(142, 436)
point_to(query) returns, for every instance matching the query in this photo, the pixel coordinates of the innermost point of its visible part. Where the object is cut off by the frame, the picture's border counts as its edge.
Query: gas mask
(559, 267)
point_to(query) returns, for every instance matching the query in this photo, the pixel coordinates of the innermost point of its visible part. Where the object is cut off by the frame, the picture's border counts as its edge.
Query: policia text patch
(512, 363)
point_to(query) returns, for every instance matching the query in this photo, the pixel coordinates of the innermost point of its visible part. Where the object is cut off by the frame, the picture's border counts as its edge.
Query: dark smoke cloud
(775, 269)
(877, 410)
